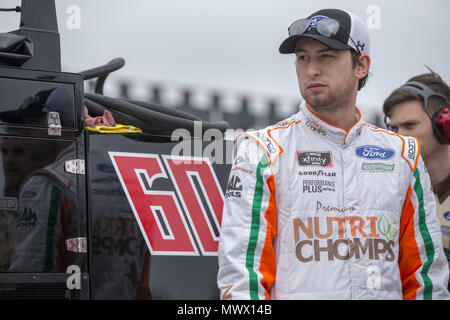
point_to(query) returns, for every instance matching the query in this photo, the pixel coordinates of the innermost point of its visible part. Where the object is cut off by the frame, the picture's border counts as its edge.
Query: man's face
(409, 118)
(17, 163)
(326, 77)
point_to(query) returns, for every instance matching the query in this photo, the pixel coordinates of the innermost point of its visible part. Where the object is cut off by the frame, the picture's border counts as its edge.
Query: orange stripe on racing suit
(409, 258)
(267, 264)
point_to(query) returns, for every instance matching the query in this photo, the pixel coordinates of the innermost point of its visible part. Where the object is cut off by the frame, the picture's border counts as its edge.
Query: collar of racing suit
(338, 135)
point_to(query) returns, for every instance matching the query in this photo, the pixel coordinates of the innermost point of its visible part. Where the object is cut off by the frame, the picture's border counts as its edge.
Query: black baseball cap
(355, 37)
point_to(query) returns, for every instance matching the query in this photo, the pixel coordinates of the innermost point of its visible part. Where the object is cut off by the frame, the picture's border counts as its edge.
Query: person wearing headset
(420, 108)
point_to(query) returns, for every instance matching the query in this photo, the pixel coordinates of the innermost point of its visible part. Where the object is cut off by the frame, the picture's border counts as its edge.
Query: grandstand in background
(242, 110)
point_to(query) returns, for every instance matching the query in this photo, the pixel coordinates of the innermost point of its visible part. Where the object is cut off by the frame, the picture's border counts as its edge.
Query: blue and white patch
(447, 215)
(374, 152)
(28, 194)
(315, 19)
(238, 160)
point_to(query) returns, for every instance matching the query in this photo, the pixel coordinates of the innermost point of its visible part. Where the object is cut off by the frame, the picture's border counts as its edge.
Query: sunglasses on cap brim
(326, 27)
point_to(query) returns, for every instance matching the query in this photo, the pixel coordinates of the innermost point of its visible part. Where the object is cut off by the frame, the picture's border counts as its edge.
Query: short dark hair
(431, 80)
(355, 62)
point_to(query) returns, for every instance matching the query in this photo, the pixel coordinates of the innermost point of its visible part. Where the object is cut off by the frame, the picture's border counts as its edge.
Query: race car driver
(46, 216)
(323, 205)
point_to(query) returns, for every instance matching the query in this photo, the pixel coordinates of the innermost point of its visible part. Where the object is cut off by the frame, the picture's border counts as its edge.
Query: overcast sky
(233, 44)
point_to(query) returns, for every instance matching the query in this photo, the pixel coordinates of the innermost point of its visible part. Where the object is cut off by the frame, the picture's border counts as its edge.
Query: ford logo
(374, 152)
(447, 215)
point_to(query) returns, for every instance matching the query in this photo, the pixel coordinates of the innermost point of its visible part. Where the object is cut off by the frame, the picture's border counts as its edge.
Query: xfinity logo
(374, 152)
(314, 158)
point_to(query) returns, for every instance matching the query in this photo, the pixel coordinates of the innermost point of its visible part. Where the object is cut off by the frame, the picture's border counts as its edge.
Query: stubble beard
(336, 99)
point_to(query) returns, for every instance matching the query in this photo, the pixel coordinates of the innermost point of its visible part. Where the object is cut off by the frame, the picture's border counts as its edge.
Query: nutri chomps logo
(185, 217)
(315, 158)
(342, 238)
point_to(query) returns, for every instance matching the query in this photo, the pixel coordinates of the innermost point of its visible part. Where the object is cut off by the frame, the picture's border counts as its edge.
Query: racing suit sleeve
(422, 263)
(246, 254)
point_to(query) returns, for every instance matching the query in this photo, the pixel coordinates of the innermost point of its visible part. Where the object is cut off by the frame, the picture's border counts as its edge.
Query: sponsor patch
(387, 228)
(318, 186)
(374, 153)
(317, 173)
(315, 158)
(28, 194)
(445, 229)
(267, 142)
(242, 169)
(344, 238)
(281, 123)
(410, 152)
(234, 187)
(411, 149)
(446, 215)
(315, 19)
(315, 127)
(26, 217)
(238, 160)
(327, 208)
(378, 167)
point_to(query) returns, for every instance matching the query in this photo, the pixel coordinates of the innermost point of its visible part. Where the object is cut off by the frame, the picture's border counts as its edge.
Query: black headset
(437, 121)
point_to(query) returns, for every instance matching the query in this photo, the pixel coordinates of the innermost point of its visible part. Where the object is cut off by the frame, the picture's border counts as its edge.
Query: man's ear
(362, 69)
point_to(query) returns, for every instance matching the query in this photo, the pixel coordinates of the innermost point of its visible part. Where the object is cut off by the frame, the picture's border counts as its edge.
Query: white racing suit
(315, 212)
(46, 218)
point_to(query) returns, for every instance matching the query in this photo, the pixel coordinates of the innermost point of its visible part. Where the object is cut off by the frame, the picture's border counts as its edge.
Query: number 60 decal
(166, 230)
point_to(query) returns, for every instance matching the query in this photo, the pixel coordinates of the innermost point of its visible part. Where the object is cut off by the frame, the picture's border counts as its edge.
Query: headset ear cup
(441, 125)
